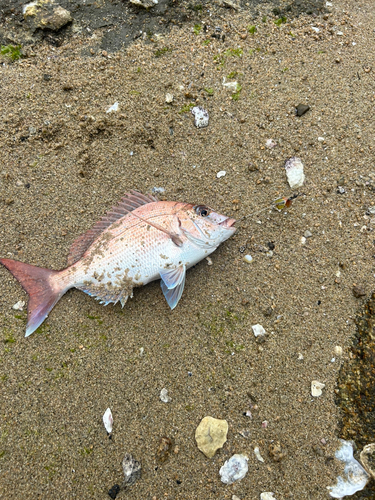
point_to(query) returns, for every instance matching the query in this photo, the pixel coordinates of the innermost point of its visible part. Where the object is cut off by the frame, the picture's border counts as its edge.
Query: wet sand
(65, 162)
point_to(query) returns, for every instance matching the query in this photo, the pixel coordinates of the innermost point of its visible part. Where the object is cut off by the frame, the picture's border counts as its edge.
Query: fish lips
(228, 223)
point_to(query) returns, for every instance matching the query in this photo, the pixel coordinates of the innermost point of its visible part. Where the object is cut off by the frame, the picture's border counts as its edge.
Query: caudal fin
(37, 282)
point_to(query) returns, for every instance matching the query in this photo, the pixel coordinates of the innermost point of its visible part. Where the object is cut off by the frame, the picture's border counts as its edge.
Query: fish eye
(202, 210)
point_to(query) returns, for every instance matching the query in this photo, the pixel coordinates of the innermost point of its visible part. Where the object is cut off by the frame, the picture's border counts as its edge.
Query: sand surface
(65, 161)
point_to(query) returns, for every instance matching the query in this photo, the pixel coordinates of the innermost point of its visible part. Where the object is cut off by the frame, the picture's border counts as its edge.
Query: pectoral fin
(172, 283)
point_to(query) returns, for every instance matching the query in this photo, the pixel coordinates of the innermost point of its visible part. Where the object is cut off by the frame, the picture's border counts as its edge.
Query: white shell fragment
(232, 86)
(114, 107)
(200, 116)
(234, 469)
(258, 330)
(270, 143)
(316, 388)
(221, 174)
(18, 306)
(168, 98)
(294, 172)
(338, 350)
(355, 477)
(146, 4)
(248, 259)
(132, 470)
(257, 454)
(367, 457)
(108, 420)
(164, 396)
(267, 495)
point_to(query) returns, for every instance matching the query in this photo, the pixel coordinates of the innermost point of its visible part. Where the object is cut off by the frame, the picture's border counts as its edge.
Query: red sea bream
(138, 241)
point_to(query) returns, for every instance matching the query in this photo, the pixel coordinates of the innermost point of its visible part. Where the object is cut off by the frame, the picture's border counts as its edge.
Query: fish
(139, 240)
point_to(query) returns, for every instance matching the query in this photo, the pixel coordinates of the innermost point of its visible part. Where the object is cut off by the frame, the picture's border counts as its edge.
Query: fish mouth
(228, 223)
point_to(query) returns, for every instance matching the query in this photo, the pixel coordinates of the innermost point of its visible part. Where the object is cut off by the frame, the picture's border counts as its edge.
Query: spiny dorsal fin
(128, 203)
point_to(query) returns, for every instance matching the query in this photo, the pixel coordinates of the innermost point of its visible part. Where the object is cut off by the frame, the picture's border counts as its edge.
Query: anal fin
(106, 296)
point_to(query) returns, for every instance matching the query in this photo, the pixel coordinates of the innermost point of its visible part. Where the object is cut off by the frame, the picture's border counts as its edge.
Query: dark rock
(301, 109)
(114, 491)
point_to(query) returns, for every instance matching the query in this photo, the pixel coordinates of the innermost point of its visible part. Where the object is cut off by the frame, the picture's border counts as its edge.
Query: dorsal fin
(128, 203)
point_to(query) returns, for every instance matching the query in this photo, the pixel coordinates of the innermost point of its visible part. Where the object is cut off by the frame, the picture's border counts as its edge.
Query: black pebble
(271, 245)
(114, 491)
(301, 109)
(47, 77)
(27, 185)
(178, 481)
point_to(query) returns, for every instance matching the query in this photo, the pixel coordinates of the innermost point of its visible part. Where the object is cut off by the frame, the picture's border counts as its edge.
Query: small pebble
(367, 457)
(234, 469)
(131, 469)
(270, 143)
(18, 306)
(307, 234)
(220, 174)
(338, 350)
(164, 449)
(169, 98)
(303, 240)
(267, 495)
(258, 330)
(358, 291)
(321, 139)
(294, 172)
(316, 388)
(248, 259)
(275, 451)
(201, 116)
(301, 109)
(114, 491)
(164, 396)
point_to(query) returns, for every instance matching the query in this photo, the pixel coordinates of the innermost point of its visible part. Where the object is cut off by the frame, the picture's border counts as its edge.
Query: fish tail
(43, 291)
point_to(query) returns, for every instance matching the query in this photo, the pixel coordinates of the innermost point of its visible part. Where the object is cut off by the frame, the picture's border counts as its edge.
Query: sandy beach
(65, 162)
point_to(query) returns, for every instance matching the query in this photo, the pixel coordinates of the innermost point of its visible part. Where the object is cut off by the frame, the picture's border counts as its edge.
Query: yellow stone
(210, 435)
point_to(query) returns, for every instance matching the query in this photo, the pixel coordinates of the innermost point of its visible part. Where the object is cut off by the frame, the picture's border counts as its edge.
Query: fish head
(206, 228)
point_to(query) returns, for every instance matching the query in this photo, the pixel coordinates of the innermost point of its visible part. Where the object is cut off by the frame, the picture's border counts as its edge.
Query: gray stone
(45, 14)
(132, 470)
(146, 4)
(301, 109)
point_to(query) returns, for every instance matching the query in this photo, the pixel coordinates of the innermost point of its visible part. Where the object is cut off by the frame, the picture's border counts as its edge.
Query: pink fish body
(138, 241)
